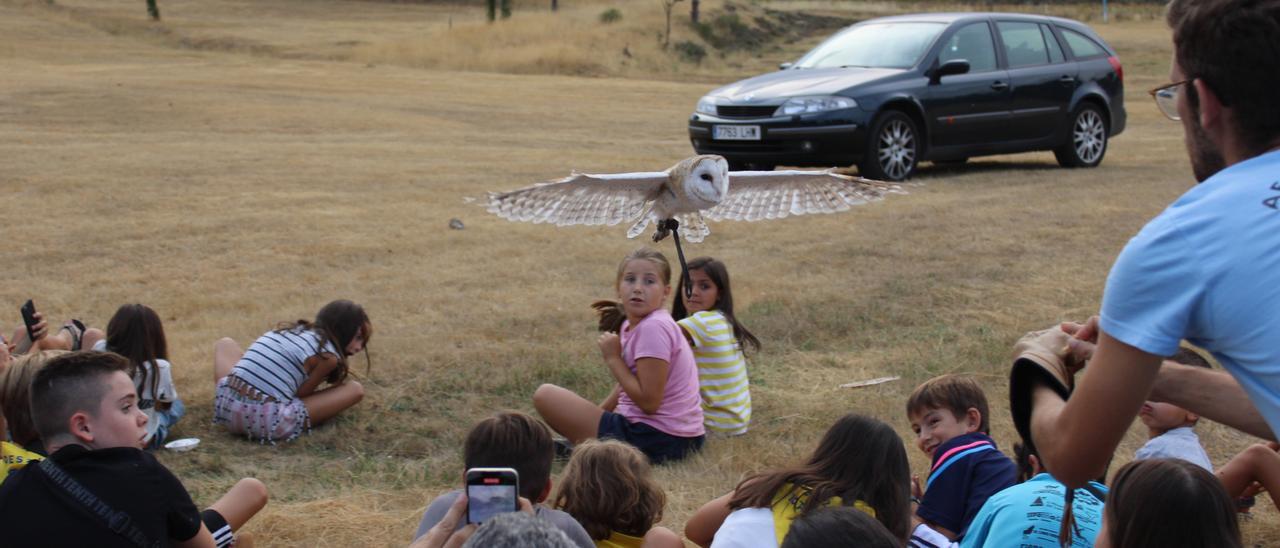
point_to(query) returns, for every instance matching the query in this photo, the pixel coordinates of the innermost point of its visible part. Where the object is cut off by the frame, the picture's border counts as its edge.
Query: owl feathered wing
(581, 199)
(757, 195)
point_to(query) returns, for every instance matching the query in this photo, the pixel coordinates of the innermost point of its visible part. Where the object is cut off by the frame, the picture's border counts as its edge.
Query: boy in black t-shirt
(85, 409)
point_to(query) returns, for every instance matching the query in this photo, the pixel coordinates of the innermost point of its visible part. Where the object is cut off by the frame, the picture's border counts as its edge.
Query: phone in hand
(491, 491)
(29, 318)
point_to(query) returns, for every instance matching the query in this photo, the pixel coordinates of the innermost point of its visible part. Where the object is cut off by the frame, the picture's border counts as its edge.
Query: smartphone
(491, 491)
(29, 318)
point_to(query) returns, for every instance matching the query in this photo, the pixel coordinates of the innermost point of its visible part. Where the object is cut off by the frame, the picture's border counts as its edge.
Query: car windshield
(875, 45)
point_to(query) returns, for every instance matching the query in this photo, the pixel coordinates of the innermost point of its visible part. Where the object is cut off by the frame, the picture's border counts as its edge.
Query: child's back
(722, 372)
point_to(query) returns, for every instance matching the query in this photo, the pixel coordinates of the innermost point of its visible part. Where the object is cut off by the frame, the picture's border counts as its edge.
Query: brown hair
(719, 275)
(338, 323)
(15, 395)
(1170, 502)
(135, 332)
(1231, 45)
(70, 383)
(610, 312)
(608, 486)
(955, 393)
(513, 440)
(859, 458)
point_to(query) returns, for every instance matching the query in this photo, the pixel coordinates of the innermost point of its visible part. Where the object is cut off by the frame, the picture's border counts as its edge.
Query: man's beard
(1206, 159)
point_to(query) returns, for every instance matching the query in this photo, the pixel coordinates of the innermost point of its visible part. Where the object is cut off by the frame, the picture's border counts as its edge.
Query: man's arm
(1077, 438)
(1214, 395)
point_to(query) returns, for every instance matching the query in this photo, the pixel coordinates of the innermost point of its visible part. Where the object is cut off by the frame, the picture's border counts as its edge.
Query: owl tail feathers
(692, 227)
(645, 218)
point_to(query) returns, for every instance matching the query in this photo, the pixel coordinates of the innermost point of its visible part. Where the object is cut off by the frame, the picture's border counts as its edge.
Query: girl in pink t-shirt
(655, 405)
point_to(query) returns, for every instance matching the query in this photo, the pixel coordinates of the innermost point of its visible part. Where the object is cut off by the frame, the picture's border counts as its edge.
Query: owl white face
(708, 181)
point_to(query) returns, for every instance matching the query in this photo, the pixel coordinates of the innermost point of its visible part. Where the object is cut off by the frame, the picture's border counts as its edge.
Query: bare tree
(666, 9)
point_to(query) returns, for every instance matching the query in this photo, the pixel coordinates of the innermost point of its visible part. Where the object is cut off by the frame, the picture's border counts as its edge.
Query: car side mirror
(954, 66)
(785, 66)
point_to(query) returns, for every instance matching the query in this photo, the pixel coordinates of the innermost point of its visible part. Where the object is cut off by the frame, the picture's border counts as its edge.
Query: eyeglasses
(1166, 97)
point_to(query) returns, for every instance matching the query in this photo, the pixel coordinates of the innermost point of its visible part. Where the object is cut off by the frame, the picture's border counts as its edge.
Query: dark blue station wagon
(888, 93)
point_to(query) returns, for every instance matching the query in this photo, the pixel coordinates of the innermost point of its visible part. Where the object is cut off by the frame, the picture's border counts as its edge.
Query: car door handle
(1067, 79)
(999, 86)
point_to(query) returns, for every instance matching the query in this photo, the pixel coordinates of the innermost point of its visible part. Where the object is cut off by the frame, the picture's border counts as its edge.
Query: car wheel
(1088, 138)
(893, 148)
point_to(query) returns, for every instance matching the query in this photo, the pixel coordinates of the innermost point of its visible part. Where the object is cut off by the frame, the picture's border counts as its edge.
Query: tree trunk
(555, 5)
(506, 9)
(491, 7)
(153, 10)
(693, 11)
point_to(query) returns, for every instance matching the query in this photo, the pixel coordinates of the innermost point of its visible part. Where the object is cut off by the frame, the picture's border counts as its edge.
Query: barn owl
(696, 186)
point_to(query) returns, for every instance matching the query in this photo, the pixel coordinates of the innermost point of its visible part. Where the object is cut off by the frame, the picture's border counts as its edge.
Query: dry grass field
(242, 162)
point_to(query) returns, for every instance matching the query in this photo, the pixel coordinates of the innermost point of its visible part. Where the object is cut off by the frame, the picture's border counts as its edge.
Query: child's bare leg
(1258, 463)
(91, 337)
(226, 353)
(245, 499)
(661, 537)
(567, 413)
(326, 404)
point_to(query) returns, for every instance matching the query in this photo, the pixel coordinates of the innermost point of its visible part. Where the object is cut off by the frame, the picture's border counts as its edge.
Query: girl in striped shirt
(272, 390)
(717, 338)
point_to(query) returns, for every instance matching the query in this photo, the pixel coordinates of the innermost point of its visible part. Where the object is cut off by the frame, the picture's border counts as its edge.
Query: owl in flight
(697, 186)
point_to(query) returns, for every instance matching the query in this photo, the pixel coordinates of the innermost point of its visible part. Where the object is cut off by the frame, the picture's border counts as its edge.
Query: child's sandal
(76, 329)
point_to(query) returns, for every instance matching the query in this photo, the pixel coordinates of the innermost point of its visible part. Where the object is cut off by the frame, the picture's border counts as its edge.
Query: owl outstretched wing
(580, 199)
(756, 195)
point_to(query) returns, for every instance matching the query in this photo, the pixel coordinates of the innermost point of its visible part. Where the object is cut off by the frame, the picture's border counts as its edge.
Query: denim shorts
(659, 446)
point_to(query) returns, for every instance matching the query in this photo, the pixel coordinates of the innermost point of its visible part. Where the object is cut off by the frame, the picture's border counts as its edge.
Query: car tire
(892, 149)
(1086, 138)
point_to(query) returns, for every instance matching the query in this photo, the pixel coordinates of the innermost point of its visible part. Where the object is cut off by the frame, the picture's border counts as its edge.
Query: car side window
(1055, 50)
(1023, 44)
(1082, 46)
(972, 43)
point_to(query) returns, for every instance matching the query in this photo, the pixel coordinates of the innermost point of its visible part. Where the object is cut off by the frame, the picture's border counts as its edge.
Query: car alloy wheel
(894, 148)
(1088, 139)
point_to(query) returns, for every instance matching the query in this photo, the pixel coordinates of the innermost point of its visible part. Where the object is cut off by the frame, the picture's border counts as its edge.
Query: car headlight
(706, 105)
(808, 105)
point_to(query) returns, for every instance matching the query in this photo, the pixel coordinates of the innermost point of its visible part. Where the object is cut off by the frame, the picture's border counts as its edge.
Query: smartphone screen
(491, 491)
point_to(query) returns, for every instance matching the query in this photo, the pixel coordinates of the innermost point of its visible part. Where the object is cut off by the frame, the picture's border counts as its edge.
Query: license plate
(737, 133)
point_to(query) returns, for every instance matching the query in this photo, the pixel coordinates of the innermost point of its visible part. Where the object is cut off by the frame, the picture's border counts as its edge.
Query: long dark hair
(337, 323)
(1170, 502)
(859, 458)
(135, 332)
(719, 275)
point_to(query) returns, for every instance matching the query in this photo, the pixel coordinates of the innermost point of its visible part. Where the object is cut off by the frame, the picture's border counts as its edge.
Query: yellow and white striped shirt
(722, 372)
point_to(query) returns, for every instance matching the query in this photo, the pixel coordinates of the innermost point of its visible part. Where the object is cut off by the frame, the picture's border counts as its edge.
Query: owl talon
(665, 226)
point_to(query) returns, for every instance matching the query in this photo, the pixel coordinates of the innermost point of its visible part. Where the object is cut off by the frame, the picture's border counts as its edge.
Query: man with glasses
(1207, 269)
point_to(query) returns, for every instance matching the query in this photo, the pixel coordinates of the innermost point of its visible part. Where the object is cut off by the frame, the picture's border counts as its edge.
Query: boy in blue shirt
(949, 416)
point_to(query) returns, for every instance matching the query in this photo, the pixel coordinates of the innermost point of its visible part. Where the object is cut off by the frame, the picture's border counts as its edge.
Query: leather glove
(1039, 357)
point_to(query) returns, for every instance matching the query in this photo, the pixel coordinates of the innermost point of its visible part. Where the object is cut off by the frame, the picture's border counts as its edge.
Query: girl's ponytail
(611, 315)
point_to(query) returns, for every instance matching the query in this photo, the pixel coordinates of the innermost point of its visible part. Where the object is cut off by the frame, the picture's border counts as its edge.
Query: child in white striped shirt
(718, 341)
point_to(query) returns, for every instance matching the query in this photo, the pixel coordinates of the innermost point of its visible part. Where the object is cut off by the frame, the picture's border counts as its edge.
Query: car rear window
(1023, 44)
(1055, 50)
(1082, 46)
(874, 45)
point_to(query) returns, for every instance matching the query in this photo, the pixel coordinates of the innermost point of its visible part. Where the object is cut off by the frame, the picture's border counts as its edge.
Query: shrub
(690, 51)
(611, 15)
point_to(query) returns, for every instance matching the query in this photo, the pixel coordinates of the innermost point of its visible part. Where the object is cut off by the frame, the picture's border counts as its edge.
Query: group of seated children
(74, 424)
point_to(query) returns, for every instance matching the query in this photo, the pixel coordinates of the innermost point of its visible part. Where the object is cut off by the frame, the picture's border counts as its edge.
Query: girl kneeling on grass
(860, 462)
(271, 391)
(655, 405)
(718, 341)
(608, 487)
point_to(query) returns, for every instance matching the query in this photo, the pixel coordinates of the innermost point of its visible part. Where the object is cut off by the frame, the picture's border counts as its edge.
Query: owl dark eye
(706, 176)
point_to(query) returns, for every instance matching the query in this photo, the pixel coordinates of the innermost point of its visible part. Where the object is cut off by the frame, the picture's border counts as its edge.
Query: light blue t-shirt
(1207, 269)
(1179, 443)
(1030, 515)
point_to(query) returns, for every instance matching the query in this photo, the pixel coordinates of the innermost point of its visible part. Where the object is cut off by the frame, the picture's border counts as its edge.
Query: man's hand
(1084, 339)
(446, 534)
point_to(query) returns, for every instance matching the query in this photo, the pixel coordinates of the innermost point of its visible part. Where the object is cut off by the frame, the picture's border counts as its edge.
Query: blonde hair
(610, 312)
(15, 395)
(608, 486)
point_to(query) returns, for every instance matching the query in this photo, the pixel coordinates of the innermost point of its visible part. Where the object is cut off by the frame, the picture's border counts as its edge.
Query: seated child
(655, 404)
(949, 416)
(1171, 427)
(72, 335)
(135, 332)
(15, 390)
(860, 463)
(718, 343)
(511, 440)
(1157, 503)
(608, 487)
(1254, 470)
(1029, 514)
(839, 527)
(85, 410)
